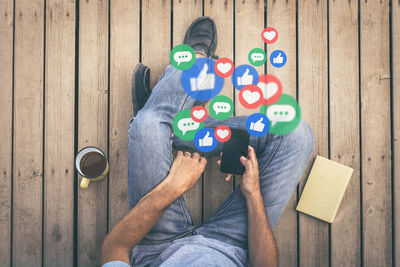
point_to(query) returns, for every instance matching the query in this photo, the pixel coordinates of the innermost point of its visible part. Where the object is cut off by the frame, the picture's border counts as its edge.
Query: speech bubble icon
(280, 113)
(257, 57)
(182, 56)
(221, 107)
(187, 124)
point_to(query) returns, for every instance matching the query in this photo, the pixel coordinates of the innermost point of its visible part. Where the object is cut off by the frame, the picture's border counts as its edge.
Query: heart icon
(199, 114)
(222, 133)
(269, 35)
(224, 67)
(269, 90)
(251, 97)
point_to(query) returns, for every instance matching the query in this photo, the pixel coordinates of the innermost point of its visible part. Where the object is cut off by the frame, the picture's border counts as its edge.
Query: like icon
(204, 140)
(224, 67)
(257, 124)
(251, 96)
(278, 58)
(269, 35)
(244, 75)
(223, 133)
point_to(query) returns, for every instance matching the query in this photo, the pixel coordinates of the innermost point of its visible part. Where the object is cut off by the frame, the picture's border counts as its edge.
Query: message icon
(284, 115)
(257, 57)
(200, 81)
(269, 35)
(182, 57)
(224, 67)
(257, 124)
(271, 88)
(221, 107)
(244, 75)
(251, 96)
(184, 126)
(223, 133)
(278, 58)
(205, 140)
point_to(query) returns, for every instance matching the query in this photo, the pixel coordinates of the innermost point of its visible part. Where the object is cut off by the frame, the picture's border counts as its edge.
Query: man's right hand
(185, 171)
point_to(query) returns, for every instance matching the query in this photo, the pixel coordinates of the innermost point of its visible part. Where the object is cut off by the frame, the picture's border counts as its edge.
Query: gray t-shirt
(187, 251)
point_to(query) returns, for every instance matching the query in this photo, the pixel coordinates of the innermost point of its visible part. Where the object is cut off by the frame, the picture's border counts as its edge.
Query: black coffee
(93, 164)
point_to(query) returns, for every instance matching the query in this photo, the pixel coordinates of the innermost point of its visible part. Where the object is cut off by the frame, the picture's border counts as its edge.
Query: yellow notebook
(324, 189)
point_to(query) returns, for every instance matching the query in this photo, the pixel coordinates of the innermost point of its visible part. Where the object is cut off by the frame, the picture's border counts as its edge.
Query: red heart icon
(198, 113)
(222, 133)
(251, 96)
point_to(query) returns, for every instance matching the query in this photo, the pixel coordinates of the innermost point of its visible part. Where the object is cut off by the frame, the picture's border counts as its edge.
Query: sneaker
(202, 36)
(140, 87)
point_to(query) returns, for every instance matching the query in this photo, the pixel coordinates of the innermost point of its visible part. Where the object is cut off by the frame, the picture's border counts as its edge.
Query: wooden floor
(65, 77)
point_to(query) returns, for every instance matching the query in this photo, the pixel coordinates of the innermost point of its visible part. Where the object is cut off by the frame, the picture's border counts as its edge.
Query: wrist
(254, 195)
(172, 191)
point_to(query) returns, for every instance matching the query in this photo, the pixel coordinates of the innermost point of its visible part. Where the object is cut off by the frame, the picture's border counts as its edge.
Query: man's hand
(250, 181)
(185, 171)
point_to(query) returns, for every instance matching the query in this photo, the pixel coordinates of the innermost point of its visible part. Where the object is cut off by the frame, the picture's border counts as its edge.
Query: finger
(187, 154)
(252, 154)
(219, 162)
(179, 154)
(244, 161)
(203, 160)
(260, 120)
(227, 178)
(207, 135)
(196, 155)
(220, 154)
(246, 72)
(279, 55)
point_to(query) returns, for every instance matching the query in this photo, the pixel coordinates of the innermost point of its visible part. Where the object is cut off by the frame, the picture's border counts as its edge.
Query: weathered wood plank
(6, 67)
(344, 127)
(281, 14)
(216, 189)
(59, 133)
(92, 123)
(375, 133)
(124, 55)
(396, 122)
(156, 36)
(183, 15)
(313, 99)
(28, 133)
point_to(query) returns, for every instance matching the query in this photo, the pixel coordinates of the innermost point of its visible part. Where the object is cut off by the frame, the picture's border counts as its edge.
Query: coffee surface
(93, 164)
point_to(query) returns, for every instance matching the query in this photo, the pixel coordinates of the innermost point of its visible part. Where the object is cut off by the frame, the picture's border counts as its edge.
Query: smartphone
(235, 147)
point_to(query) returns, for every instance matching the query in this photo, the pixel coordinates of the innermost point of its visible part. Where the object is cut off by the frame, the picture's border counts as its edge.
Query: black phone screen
(235, 147)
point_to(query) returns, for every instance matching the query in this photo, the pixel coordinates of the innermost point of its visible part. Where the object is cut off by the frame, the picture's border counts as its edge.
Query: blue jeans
(281, 160)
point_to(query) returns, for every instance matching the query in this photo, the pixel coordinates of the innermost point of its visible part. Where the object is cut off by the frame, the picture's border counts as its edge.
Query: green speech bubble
(182, 57)
(257, 57)
(184, 126)
(221, 107)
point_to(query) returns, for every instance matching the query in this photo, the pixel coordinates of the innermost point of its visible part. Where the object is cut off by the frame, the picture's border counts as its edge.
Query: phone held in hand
(235, 147)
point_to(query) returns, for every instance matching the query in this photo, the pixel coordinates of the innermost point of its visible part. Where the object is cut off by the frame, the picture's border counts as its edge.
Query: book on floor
(324, 189)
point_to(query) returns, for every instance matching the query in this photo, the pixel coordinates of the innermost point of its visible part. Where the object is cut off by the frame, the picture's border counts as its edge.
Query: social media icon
(224, 67)
(182, 57)
(269, 35)
(257, 57)
(284, 115)
(244, 75)
(198, 113)
(278, 58)
(271, 88)
(257, 124)
(222, 133)
(221, 107)
(200, 81)
(251, 96)
(205, 140)
(184, 126)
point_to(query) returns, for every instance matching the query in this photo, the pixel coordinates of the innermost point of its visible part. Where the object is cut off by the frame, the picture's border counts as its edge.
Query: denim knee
(143, 123)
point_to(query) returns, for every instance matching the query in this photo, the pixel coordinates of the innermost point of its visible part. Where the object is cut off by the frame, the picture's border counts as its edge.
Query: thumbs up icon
(205, 81)
(278, 59)
(246, 79)
(257, 126)
(206, 140)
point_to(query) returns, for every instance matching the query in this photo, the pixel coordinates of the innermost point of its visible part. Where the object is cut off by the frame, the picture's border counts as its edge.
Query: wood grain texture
(396, 123)
(28, 133)
(6, 67)
(59, 133)
(92, 125)
(344, 127)
(376, 151)
(185, 12)
(216, 189)
(124, 56)
(313, 100)
(281, 14)
(156, 36)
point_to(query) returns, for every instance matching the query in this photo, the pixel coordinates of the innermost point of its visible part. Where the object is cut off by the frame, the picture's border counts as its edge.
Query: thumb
(207, 135)
(246, 72)
(279, 55)
(244, 161)
(260, 120)
(203, 72)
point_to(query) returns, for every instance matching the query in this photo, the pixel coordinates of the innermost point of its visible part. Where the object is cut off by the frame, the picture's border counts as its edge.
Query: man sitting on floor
(159, 227)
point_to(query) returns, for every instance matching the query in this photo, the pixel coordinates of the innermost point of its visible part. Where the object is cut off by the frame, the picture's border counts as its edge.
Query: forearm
(135, 225)
(262, 246)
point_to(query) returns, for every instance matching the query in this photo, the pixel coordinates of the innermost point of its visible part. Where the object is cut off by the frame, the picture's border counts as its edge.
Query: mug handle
(84, 183)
